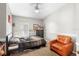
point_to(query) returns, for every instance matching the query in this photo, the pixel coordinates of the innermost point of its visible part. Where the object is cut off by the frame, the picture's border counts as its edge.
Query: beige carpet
(42, 51)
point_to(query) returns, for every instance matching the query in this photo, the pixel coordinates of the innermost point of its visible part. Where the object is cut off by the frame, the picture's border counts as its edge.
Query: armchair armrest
(52, 41)
(68, 45)
(68, 48)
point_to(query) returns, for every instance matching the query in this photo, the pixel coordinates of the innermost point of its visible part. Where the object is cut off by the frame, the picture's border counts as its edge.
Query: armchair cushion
(57, 46)
(64, 39)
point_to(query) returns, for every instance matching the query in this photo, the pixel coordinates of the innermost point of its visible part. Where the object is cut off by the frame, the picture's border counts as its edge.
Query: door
(26, 30)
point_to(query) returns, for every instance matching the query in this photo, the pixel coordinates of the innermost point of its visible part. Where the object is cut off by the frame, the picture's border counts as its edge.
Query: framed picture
(35, 26)
(9, 18)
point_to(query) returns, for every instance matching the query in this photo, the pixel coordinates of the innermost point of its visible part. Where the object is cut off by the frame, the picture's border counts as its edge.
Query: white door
(26, 30)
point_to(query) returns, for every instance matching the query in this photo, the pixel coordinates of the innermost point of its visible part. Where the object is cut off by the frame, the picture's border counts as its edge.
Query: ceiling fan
(36, 7)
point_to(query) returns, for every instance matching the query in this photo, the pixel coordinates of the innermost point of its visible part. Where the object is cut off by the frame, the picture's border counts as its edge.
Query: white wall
(2, 21)
(8, 25)
(20, 21)
(77, 24)
(61, 21)
(77, 18)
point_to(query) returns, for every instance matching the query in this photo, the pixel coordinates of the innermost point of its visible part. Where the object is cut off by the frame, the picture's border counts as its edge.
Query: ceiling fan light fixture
(36, 10)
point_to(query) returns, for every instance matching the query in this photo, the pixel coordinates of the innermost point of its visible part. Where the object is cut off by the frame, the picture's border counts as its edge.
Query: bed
(21, 44)
(32, 42)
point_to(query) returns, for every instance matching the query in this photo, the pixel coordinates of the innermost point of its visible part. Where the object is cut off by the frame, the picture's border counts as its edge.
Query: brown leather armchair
(63, 45)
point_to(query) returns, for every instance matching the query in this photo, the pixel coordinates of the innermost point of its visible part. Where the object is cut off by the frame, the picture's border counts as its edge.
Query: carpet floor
(42, 51)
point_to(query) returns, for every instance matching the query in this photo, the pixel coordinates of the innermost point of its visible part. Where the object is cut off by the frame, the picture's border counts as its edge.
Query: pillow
(57, 45)
(10, 36)
(36, 38)
(14, 40)
(23, 40)
(64, 39)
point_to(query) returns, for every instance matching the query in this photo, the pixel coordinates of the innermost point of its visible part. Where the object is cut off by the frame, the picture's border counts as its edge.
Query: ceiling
(28, 10)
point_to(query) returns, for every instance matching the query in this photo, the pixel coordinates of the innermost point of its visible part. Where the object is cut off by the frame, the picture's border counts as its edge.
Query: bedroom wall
(20, 21)
(8, 24)
(2, 21)
(61, 21)
(76, 23)
(77, 18)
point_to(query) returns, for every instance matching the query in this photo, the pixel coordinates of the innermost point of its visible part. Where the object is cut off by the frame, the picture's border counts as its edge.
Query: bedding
(13, 46)
(25, 43)
(32, 42)
(35, 38)
(14, 40)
